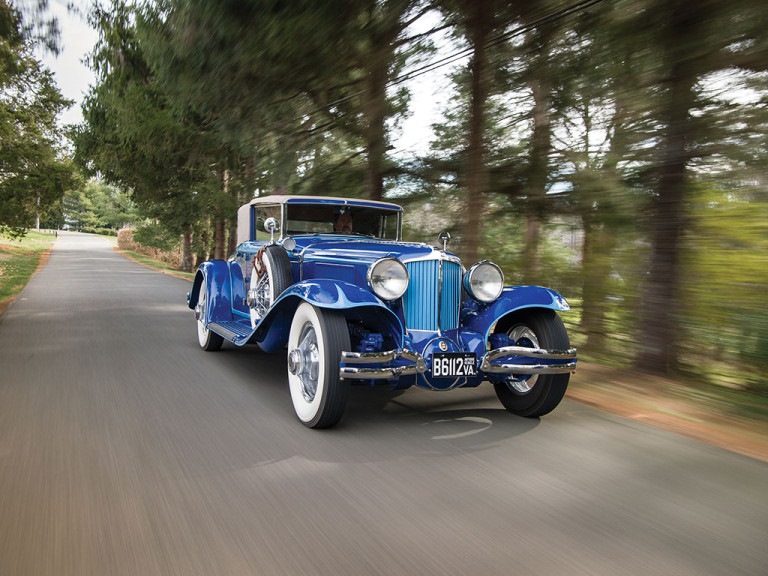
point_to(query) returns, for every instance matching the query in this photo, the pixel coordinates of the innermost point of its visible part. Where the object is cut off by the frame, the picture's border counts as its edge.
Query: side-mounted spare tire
(270, 278)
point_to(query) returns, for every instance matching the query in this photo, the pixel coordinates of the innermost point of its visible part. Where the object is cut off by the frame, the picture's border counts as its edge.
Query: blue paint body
(330, 271)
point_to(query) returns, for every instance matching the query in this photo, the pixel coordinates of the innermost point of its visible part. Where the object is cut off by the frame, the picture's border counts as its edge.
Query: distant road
(126, 450)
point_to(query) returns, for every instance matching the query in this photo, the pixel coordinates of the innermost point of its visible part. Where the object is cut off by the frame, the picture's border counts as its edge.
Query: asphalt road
(127, 450)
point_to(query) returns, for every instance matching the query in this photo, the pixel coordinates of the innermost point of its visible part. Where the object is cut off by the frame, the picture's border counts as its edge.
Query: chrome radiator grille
(433, 296)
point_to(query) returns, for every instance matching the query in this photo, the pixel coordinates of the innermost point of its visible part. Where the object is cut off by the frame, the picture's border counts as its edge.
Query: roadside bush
(162, 250)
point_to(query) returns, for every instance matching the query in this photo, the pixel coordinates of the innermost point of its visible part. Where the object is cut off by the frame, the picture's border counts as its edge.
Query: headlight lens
(388, 278)
(484, 281)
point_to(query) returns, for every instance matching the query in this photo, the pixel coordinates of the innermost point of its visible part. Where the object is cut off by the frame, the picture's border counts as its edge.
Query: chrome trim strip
(529, 368)
(349, 372)
(440, 296)
(434, 255)
(368, 357)
(569, 354)
(539, 353)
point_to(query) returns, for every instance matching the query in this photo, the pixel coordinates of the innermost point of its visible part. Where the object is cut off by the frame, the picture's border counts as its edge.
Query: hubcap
(525, 337)
(304, 362)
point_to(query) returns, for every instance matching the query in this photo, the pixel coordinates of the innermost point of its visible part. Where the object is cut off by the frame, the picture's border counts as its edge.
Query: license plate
(453, 364)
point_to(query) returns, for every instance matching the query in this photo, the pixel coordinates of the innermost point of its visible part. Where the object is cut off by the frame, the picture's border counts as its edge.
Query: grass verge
(19, 259)
(154, 264)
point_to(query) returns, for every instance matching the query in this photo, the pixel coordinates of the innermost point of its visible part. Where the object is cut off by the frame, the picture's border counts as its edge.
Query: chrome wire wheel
(522, 335)
(264, 290)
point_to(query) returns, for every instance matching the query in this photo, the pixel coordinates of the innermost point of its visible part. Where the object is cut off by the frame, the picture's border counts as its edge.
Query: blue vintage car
(331, 280)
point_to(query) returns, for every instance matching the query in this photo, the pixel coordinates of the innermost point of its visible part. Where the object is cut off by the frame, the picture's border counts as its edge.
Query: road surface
(127, 450)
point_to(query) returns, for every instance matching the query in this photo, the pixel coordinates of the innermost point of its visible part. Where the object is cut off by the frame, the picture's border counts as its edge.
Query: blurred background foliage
(615, 150)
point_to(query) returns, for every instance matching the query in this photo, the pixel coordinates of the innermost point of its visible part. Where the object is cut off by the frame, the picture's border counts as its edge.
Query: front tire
(208, 339)
(538, 394)
(317, 338)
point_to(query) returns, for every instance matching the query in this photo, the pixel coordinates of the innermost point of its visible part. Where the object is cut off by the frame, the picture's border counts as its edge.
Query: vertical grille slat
(422, 299)
(451, 296)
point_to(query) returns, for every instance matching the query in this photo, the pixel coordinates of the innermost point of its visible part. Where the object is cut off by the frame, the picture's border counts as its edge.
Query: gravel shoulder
(667, 404)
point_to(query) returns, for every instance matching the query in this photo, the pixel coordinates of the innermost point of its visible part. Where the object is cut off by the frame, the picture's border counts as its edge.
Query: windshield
(337, 219)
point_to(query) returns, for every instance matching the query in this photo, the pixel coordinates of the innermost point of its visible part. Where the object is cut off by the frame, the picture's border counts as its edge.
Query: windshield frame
(317, 219)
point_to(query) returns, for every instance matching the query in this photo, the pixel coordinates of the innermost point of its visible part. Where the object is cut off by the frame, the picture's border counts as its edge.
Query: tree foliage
(98, 207)
(33, 176)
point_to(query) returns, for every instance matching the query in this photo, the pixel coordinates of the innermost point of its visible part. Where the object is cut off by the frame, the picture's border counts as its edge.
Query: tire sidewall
(548, 389)
(308, 412)
(206, 338)
(203, 333)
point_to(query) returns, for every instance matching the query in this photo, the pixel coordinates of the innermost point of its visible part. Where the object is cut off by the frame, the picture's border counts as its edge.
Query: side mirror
(444, 237)
(271, 225)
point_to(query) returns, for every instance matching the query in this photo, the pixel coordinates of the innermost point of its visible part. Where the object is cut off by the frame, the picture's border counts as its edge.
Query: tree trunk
(187, 258)
(596, 271)
(541, 146)
(386, 25)
(220, 239)
(220, 224)
(203, 237)
(375, 131)
(232, 236)
(660, 305)
(480, 25)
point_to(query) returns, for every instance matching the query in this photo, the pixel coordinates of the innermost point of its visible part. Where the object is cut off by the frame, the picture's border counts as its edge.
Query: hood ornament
(444, 237)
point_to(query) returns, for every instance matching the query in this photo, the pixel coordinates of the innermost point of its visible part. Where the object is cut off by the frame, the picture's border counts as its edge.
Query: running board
(236, 332)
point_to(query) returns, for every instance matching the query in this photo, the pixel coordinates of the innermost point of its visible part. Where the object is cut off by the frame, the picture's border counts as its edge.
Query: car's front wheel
(317, 338)
(535, 395)
(208, 339)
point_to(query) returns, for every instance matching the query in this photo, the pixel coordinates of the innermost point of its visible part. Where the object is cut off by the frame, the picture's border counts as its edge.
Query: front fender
(215, 274)
(512, 299)
(356, 303)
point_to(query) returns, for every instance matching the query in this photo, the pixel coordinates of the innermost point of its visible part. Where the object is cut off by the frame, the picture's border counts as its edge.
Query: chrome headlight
(484, 281)
(388, 278)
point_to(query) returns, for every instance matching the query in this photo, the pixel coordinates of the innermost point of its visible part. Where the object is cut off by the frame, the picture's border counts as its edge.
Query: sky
(430, 92)
(72, 76)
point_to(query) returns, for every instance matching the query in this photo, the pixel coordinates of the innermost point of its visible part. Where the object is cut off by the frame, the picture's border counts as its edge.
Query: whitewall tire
(208, 340)
(317, 338)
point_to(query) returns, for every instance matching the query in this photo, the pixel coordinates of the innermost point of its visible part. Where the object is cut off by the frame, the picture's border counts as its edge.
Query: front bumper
(564, 361)
(416, 365)
(506, 360)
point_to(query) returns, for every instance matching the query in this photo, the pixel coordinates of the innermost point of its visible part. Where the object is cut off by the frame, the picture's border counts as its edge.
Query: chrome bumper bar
(568, 357)
(354, 373)
(488, 364)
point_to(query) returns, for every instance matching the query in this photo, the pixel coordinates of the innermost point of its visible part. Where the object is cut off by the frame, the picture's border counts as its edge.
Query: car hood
(359, 250)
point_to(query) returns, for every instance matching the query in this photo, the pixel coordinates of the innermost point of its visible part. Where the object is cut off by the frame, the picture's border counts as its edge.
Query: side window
(389, 226)
(260, 215)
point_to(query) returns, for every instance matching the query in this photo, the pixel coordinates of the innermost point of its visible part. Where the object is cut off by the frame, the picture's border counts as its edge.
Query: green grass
(18, 261)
